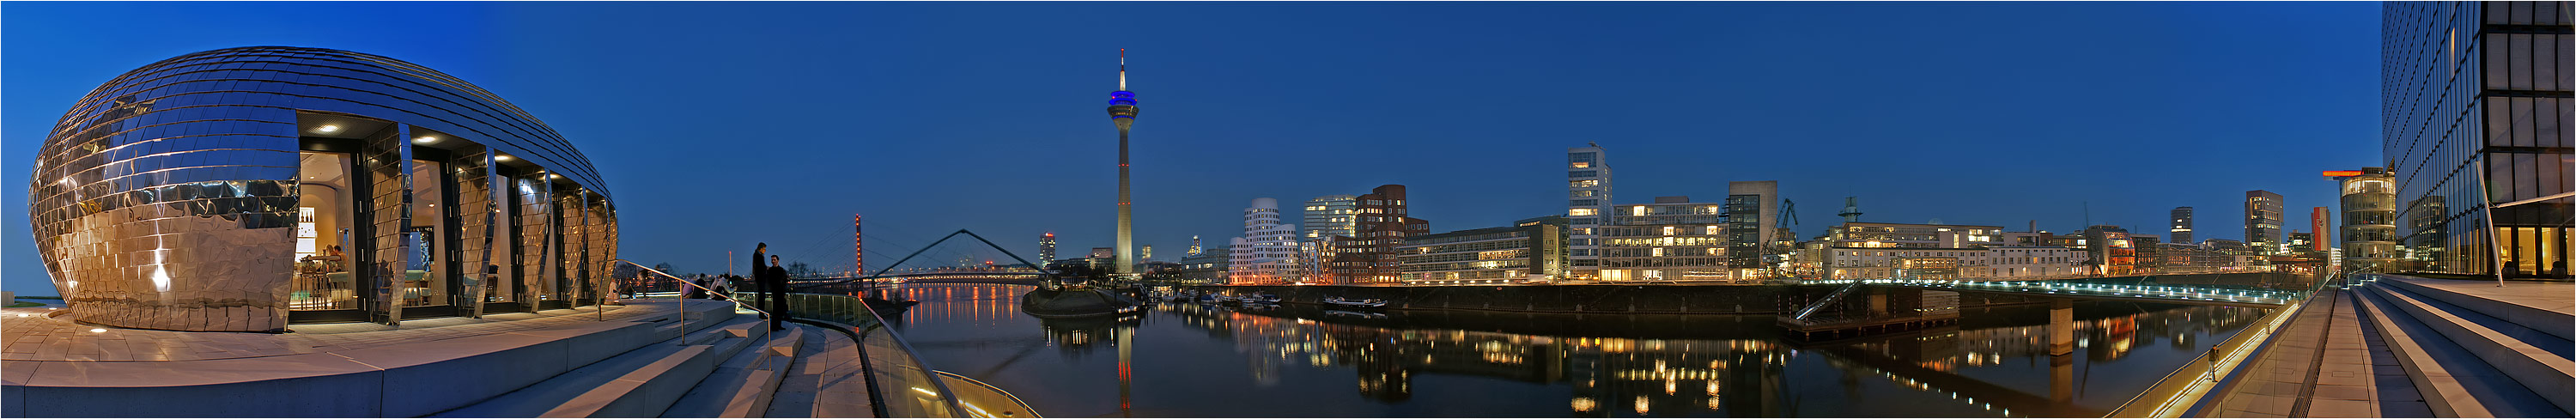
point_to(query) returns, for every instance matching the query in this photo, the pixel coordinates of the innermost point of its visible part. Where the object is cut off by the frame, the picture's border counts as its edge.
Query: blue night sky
(719, 125)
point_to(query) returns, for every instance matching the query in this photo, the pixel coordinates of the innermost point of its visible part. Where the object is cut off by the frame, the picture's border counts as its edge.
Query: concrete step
(2548, 373)
(742, 386)
(2453, 380)
(2560, 323)
(641, 382)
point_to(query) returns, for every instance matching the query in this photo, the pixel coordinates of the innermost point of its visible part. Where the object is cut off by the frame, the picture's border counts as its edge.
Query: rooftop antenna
(1851, 209)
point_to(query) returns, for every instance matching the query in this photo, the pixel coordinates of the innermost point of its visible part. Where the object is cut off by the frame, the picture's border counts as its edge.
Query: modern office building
(1531, 249)
(2479, 93)
(1751, 217)
(1901, 235)
(2181, 228)
(1206, 268)
(1368, 255)
(1587, 174)
(1672, 239)
(2318, 220)
(1046, 248)
(2010, 263)
(242, 189)
(2263, 219)
(1266, 252)
(1330, 215)
(2370, 221)
(1909, 263)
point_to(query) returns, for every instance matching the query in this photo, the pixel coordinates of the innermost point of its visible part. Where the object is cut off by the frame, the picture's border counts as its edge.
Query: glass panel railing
(900, 385)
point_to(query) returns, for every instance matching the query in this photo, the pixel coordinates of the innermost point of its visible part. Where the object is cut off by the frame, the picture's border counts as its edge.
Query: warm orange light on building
(2342, 173)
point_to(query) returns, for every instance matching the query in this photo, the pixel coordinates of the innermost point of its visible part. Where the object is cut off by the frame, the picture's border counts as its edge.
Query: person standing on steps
(759, 284)
(777, 287)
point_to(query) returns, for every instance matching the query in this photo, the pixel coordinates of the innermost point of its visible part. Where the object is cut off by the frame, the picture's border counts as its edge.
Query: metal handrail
(977, 411)
(2241, 347)
(684, 309)
(1837, 295)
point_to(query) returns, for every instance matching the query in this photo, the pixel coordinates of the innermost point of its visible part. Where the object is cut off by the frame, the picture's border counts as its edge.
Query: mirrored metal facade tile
(236, 189)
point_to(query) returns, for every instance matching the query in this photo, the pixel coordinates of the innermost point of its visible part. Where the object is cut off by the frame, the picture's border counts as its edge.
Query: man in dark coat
(777, 287)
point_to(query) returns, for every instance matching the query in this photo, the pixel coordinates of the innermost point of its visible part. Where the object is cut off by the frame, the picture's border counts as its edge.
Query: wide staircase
(718, 361)
(2472, 348)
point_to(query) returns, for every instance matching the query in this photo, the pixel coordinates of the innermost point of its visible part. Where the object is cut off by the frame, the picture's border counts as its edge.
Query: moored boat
(1360, 303)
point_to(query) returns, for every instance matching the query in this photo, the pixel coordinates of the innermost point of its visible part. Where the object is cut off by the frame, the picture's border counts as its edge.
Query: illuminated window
(1582, 212)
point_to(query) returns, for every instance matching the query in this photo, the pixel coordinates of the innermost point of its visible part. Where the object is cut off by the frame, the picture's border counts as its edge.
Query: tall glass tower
(2475, 115)
(1122, 111)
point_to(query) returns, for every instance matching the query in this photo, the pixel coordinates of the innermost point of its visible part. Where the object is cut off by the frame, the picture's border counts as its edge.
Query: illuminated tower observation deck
(1122, 111)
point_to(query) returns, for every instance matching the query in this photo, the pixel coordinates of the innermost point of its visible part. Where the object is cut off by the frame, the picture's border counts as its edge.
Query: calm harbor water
(1192, 360)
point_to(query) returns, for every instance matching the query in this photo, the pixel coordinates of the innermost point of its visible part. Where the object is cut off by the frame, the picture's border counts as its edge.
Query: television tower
(1122, 111)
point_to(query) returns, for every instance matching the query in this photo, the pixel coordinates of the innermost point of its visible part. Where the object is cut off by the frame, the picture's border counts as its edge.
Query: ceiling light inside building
(425, 139)
(328, 128)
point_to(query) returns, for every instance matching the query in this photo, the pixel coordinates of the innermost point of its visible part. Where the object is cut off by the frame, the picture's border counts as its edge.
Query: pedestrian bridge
(2218, 295)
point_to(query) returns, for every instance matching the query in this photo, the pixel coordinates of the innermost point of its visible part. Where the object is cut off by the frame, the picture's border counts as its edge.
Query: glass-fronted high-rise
(2475, 107)
(244, 188)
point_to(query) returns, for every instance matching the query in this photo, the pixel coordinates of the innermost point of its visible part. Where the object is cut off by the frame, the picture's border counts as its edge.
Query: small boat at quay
(1361, 303)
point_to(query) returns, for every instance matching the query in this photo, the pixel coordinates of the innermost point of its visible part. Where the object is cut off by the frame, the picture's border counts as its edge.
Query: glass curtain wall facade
(2263, 221)
(2475, 107)
(243, 189)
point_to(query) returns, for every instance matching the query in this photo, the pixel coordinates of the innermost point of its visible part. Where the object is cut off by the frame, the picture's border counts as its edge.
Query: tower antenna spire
(1122, 69)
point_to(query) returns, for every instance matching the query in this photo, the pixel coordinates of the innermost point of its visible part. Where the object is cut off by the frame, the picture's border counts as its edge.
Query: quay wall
(1588, 298)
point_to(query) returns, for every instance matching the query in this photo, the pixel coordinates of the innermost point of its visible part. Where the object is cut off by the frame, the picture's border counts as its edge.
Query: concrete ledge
(307, 385)
(396, 380)
(2544, 373)
(2554, 322)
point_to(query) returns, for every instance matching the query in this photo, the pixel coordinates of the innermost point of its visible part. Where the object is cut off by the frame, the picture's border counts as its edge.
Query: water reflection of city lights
(1641, 405)
(1583, 404)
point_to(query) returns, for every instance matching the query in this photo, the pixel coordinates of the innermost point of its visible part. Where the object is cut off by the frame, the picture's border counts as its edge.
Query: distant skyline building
(1267, 248)
(1751, 215)
(1122, 111)
(2263, 219)
(1046, 248)
(2370, 220)
(1368, 255)
(2318, 220)
(1330, 215)
(1588, 208)
(2181, 225)
(2476, 123)
(1194, 246)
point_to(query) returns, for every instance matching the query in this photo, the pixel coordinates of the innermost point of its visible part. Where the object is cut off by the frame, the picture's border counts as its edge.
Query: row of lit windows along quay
(2478, 94)
(1531, 248)
(243, 189)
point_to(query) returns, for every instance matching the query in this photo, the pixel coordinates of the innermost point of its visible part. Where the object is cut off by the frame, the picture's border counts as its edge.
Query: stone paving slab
(2320, 367)
(38, 334)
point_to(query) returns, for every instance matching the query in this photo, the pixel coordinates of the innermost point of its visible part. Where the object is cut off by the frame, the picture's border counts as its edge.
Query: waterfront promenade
(2402, 346)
